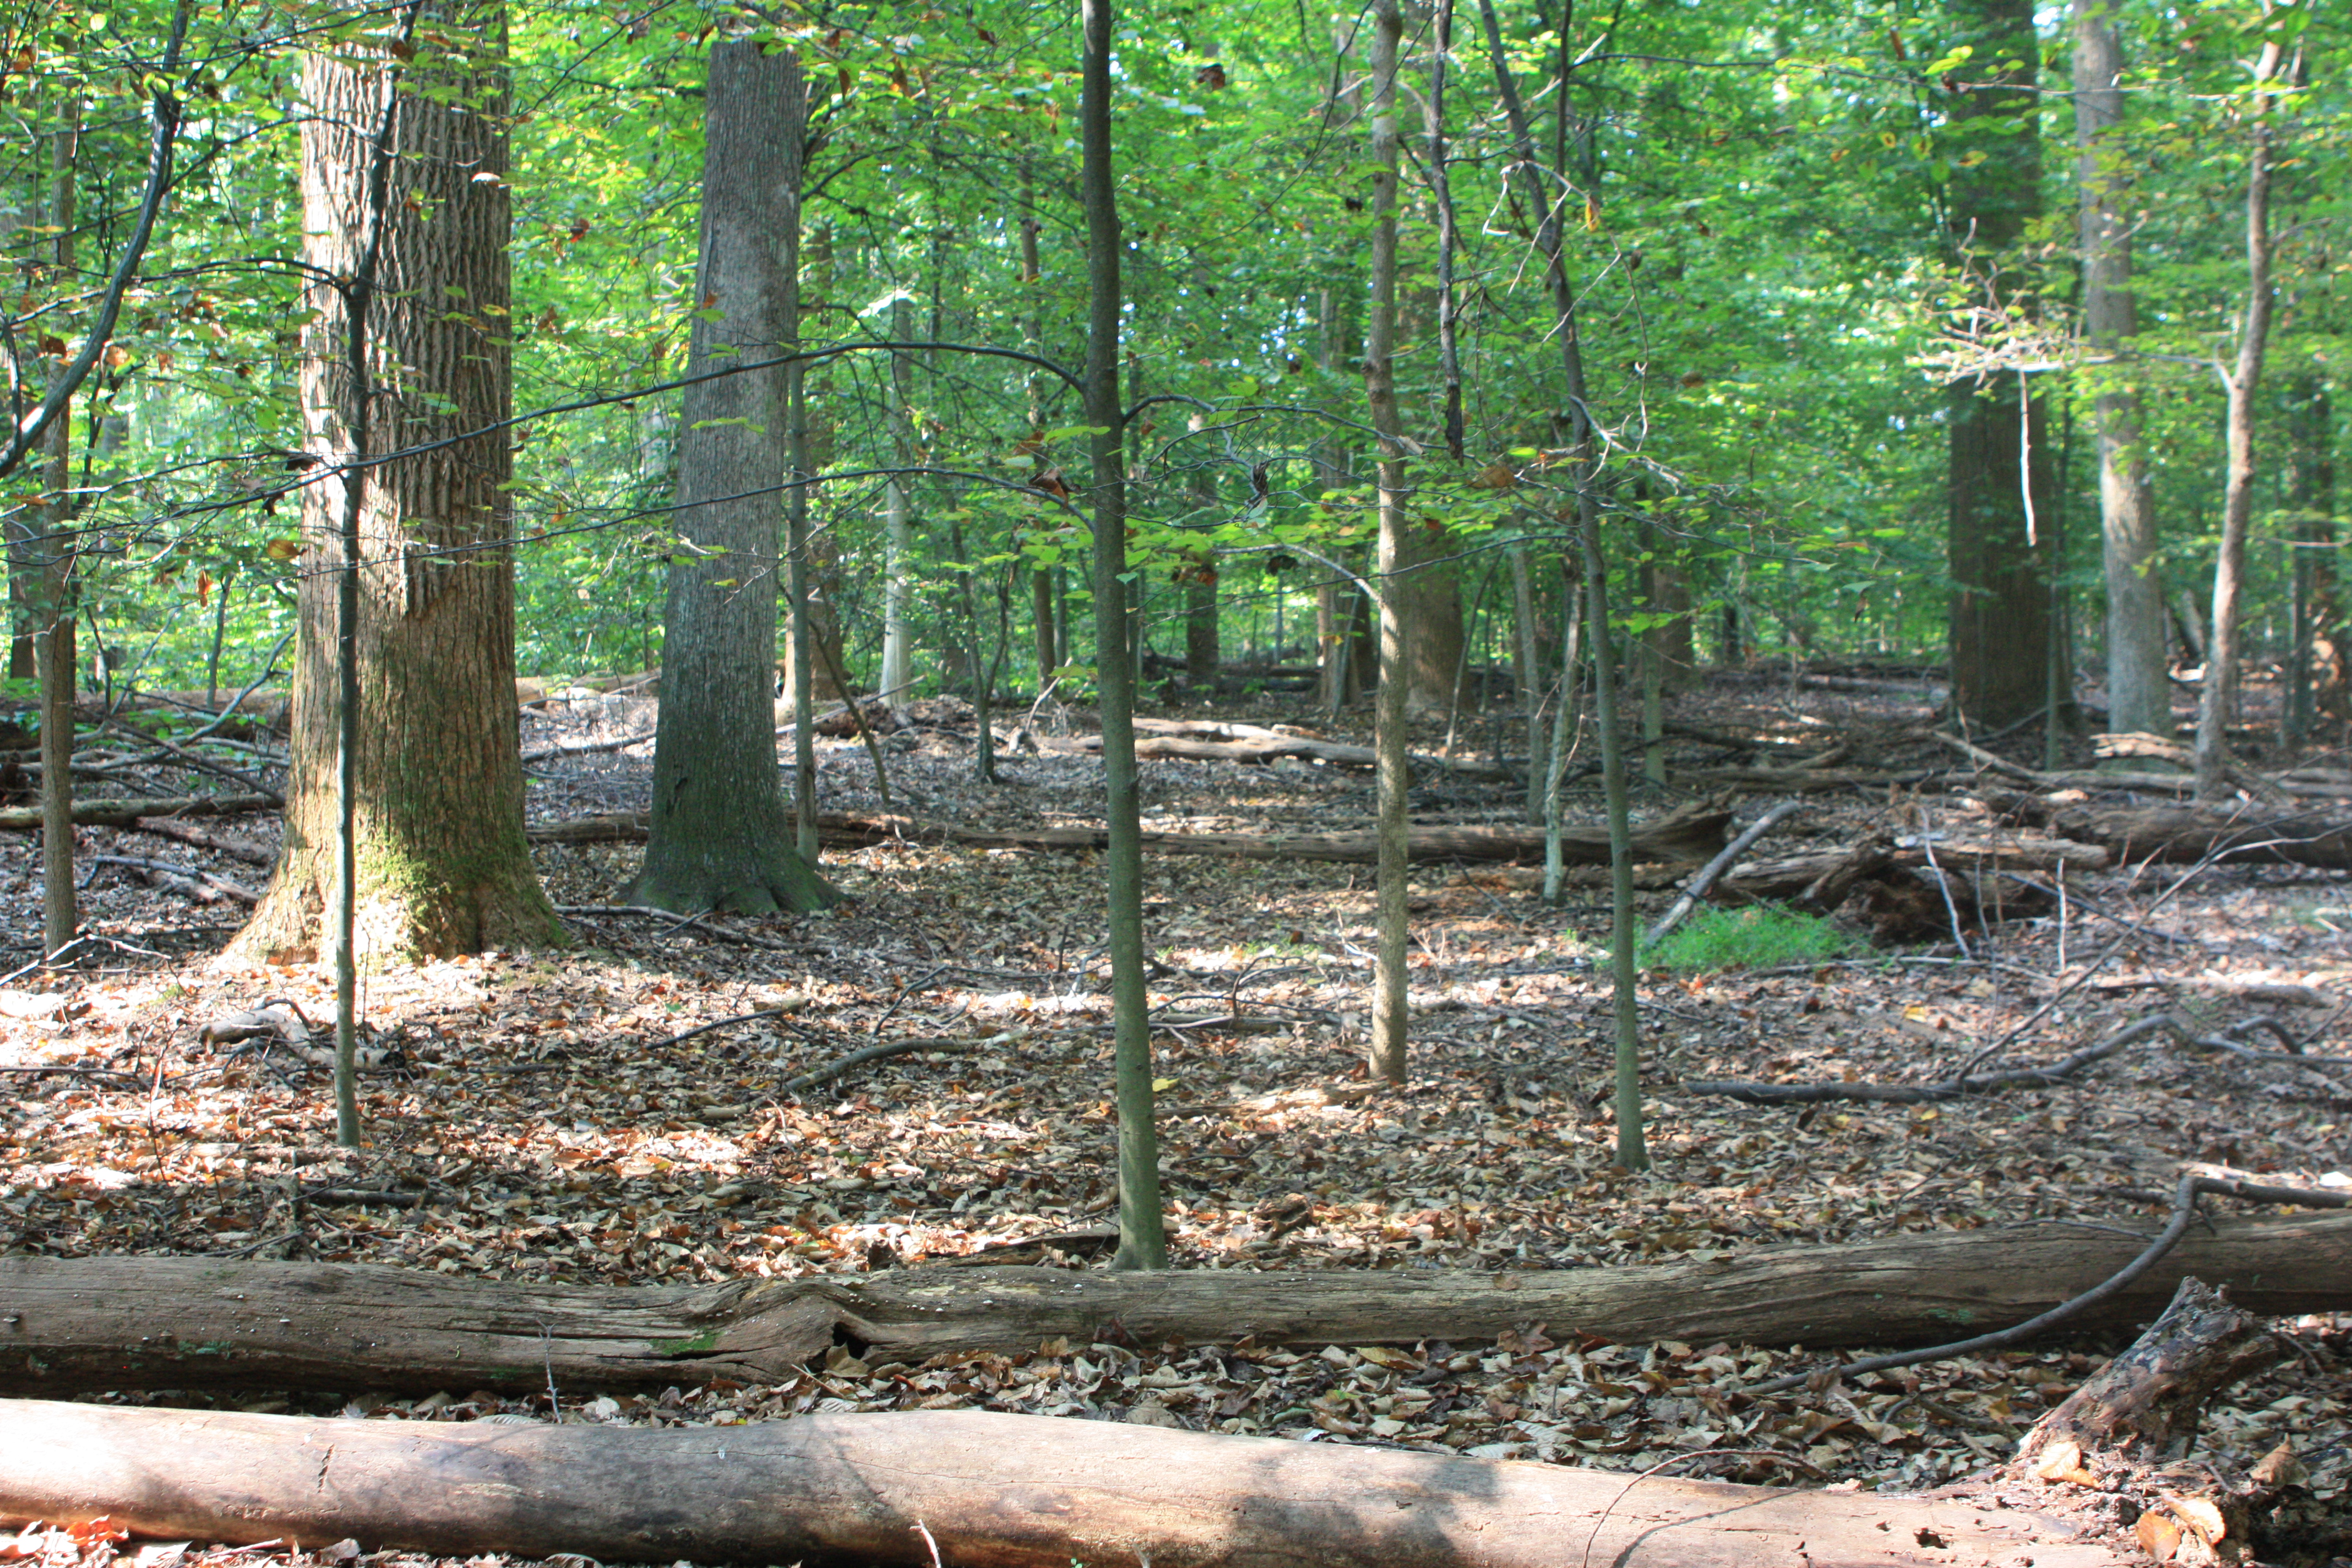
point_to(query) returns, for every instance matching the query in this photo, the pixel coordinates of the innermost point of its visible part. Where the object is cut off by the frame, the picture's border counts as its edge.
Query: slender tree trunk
(1044, 595)
(721, 836)
(1631, 1152)
(1202, 651)
(1142, 1240)
(54, 596)
(2218, 696)
(899, 582)
(2322, 683)
(1389, 1018)
(1999, 617)
(435, 776)
(2140, 693)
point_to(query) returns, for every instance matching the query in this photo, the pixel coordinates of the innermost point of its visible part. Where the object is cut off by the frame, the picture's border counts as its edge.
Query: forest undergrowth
(585, 1115)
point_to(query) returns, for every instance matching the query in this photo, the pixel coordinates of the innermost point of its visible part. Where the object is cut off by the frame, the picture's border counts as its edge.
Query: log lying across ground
(1689, 835)
(123, 813)
(1011, 1492)
(71, 1325)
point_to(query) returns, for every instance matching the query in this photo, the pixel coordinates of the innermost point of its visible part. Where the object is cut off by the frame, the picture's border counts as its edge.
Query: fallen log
(1688, 835)
(974, 1487)
(2181, 837)
(72, 1325)
(1248, 743)
(123, 813)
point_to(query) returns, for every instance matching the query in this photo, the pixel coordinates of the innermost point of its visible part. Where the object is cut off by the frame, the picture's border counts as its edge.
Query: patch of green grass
(1758, 936)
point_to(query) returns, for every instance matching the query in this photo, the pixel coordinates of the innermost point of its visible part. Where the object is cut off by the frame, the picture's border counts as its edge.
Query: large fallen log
(1689, 835)
(979, 1488)
(70, 1325)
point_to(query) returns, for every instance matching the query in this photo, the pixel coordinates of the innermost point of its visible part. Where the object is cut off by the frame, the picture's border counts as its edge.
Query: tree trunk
(2140, 694)
(54, 600)
(1999, 484)
(898, 571)
(90, 1323)
(1394, 559)
(1142, 1238)
(920, 1488)
(721, 834)
(438, 777)
(2322, 656)
(2219, 697)
(1202, 654)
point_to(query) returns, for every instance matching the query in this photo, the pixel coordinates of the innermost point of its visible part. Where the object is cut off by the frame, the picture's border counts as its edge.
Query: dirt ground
(567, 1115)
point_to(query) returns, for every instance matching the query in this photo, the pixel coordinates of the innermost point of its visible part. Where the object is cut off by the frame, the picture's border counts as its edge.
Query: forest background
(1815, 260)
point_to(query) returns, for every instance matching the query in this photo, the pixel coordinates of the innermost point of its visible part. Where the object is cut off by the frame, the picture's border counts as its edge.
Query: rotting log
(977, 1487)
(2154, 1394)
(72, 1325)
(1689, 835)
(124, 813)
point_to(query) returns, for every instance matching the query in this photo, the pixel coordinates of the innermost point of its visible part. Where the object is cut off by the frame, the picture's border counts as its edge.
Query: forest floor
(569, 1117)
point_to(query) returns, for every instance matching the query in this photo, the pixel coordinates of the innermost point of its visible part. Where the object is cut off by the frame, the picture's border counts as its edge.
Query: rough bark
(721, 834)
(2139, 695)
(442, 863)
(1999, 617)
(1688, 837)
(2147, 1402)
(965, 1487)
(78, 1324)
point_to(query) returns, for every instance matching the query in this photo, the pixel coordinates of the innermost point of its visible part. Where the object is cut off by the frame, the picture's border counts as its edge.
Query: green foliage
(1756, 199)
(1757, 936)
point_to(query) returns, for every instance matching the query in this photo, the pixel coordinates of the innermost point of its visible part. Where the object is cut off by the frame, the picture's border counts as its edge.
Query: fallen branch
(124, 813)
(202, 886)
(888, 1049)
(584, 748)
(2058, 1071)
(190, 834)
(1696, 890)
(1014, 1491)
(124, 1323)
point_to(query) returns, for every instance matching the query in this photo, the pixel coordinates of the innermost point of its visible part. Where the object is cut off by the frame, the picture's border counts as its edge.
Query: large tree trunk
(81, 1324)
(721, 836)
(2140, 694)
(437, 798)
(965, 1487)
(2001, 498)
